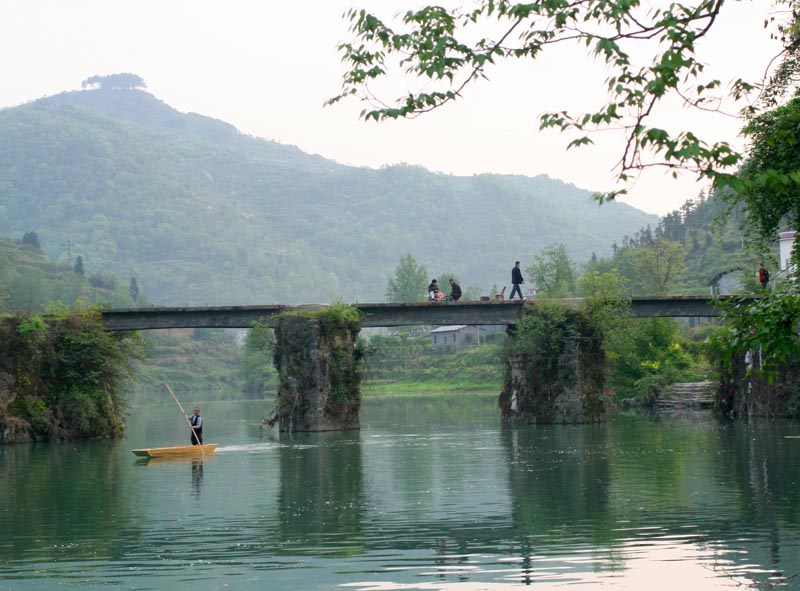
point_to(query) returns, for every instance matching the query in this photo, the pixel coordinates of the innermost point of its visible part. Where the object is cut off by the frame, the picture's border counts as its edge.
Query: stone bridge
(390, 315)
(319, 369)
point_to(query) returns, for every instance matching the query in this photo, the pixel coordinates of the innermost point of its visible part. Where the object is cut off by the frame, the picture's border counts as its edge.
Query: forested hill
(203, 214)
(30, 282)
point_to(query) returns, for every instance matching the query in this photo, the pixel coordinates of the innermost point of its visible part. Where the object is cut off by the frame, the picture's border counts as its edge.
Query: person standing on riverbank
(197, 427)
(763, 276)
(517, 280)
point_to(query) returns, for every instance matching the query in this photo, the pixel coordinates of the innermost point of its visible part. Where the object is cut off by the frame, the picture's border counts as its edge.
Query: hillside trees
(770, 179)
(79, 266)
(133, 289)
(256, 364)
(31, 282)
(122, 81)
(442, 51)
(31, 239)
(4, 295)
(660, 265)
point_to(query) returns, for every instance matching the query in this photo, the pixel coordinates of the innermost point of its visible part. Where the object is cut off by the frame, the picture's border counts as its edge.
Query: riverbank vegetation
(405, 360)
(203, 360)
(64, 377)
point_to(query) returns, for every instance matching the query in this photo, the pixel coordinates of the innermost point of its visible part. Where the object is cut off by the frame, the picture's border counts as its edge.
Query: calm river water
(431, 494)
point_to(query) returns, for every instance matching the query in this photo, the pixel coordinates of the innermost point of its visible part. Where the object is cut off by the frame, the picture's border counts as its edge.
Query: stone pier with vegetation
(62, 378)
(318, 357)
(555, 369)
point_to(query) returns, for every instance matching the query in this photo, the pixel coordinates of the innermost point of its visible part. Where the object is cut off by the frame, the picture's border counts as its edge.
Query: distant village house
(727, 283)
(462, 335)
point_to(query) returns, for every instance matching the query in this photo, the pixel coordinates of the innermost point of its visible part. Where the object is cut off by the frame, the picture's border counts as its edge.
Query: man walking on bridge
(516, 280)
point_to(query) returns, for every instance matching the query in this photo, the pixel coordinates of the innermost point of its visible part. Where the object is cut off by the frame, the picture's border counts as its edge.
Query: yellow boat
(182, 450)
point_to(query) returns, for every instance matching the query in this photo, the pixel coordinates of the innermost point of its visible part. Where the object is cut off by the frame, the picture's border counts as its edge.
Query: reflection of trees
(321, 501)
(761, 461)
(60, 493)
(558, 476)
(733, 485)
(461, 410)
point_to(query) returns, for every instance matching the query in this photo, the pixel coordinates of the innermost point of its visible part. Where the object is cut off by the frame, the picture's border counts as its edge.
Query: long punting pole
(186, 417)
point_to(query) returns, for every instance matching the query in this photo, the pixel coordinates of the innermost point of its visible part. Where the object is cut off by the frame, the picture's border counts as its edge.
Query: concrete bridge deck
(386, 315)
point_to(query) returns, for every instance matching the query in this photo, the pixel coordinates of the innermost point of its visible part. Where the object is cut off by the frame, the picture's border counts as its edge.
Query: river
(431, 494)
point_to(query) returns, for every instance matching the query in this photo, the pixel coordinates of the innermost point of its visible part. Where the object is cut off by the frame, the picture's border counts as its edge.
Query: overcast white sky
(267, 67)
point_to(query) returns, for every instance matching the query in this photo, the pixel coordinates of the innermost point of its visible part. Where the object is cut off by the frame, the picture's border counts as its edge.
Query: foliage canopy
(446, 49)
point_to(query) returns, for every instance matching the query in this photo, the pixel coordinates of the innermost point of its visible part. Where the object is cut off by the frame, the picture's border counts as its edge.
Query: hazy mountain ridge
(204, 214)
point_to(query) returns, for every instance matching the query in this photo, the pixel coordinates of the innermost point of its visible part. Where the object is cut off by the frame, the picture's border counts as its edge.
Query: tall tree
(79, 266)
(553, 273)
(409, 282)
(5, 293)
(31, 239)
(660, 266)
(133, 289)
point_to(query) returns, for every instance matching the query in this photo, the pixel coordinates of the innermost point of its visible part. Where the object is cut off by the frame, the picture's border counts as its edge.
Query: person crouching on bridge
(197, 427)
(455, 290)
(432, 289)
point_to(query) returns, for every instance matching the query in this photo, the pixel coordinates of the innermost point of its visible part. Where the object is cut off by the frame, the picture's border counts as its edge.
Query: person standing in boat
(197, 427)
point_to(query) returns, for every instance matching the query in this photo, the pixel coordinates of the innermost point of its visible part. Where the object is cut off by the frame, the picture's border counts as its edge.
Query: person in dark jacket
(197, 427)
(455, 290)
(432, 289)
(763, 276)
(516, 280)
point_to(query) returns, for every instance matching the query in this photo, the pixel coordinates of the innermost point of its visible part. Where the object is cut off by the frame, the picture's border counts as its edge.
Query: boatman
(197, 427)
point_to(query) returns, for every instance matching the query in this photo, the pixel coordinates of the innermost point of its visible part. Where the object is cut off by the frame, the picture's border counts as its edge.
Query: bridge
(388, 315)
(319, 367)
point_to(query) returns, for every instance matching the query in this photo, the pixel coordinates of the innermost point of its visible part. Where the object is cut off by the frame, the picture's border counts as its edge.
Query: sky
(268, 67)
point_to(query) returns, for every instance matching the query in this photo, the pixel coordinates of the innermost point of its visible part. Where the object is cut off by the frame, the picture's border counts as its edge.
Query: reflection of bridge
(375, 315)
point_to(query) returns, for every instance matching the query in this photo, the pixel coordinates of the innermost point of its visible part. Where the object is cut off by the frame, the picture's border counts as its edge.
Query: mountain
(203, 214)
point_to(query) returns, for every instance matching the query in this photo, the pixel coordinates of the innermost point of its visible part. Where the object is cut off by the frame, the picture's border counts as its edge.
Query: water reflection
(320, 501)
(557, 475)
(62, 501)
(195, 467)
(422, 498)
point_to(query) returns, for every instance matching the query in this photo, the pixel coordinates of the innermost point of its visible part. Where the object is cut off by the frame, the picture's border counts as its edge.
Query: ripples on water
(418, 502)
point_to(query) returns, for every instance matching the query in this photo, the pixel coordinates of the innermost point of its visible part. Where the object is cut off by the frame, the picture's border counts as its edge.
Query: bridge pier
(555, 370)
(318, 363)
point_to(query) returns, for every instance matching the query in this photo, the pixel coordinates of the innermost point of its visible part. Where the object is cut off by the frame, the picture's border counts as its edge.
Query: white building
(727, 283)
(462, 335)
(786, 243)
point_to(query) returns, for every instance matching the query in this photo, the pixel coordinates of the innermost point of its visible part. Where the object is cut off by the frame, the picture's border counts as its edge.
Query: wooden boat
(175, 452)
